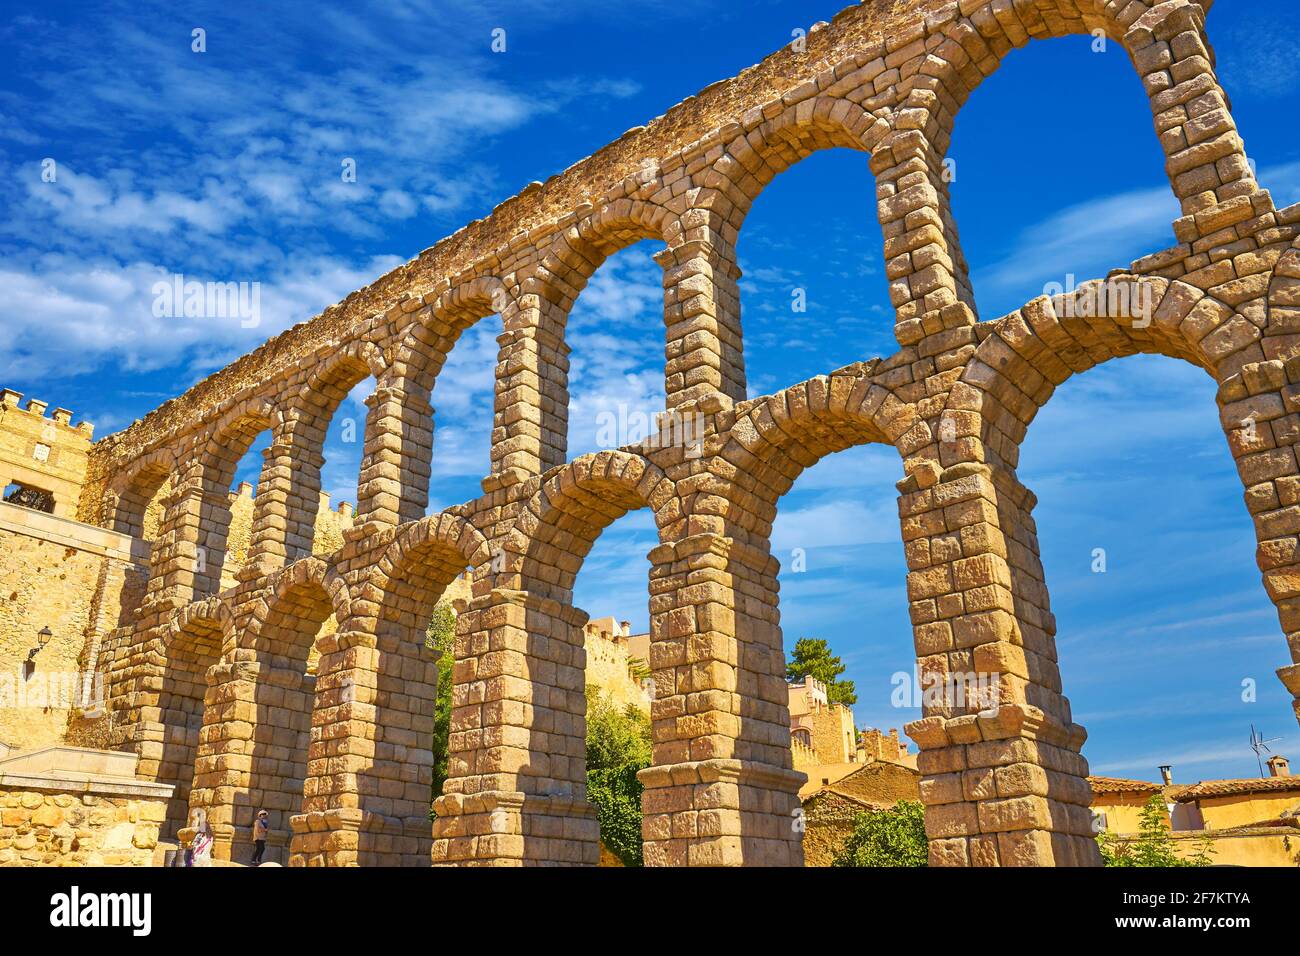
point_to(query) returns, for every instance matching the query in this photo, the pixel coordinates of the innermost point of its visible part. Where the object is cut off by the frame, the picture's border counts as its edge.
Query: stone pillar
(214, 529)
(327, 831)
(1260, 415)
(223, 761)
(370, 766)
(702, 316)
(928, 281)
(284, 510)
(722, 791)
(530, 426)
(1003, 780)
(396, 461)
(174, 557)
(1205, 157)
(516, 792)
(252, 754)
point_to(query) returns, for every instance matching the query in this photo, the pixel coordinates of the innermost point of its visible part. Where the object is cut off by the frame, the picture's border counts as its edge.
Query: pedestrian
(201, 845)
(261, 827)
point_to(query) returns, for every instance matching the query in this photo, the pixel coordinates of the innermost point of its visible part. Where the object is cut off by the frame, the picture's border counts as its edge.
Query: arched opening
(462, 395)
(425, 586)
(825, 689)
(331, 437)
(284, 690)
(203, 511)
(241, 502)
(139, 505)
(520, 678)
(843, 604)
(615, 332)
(611, 588)
(814, 292)
(193, 648)
(1167, 643)
(1059, 216)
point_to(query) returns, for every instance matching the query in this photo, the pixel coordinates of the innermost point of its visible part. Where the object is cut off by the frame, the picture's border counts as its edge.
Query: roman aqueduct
(211, 689)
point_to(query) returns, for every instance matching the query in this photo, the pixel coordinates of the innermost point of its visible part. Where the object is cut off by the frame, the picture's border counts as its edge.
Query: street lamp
(29, 665)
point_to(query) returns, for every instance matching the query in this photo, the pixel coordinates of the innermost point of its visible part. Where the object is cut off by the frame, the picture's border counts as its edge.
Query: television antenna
(1260, 746)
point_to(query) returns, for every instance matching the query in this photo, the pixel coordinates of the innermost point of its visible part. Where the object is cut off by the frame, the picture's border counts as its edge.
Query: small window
(28, 497)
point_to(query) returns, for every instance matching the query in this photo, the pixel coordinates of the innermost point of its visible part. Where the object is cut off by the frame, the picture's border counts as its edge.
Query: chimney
(627, 628)
(1167, 774)
(1279, 766)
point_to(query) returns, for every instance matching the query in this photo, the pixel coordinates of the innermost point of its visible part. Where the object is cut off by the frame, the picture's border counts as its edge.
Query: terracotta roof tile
(1121, 785)
(1228, 788)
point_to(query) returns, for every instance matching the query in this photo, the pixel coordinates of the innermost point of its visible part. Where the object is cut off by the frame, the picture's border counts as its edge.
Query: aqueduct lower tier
(212, 689)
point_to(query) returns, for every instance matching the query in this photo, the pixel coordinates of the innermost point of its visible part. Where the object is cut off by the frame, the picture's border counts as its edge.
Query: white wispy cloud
(71, 316)
(1089, 239)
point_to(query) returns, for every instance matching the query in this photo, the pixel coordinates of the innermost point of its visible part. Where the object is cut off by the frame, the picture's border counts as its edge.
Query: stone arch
(432, 334)
(288, 493)
(558, 525)
(775, 438)
(422, 560)
(757, 156)
(1027, 354)
(1205, 158)
(702, 350)
(736, 631)
(203, 498)
(574, 254)
(518, 706)
(376, 694)
(192, 642)
(299, 599)
(255, 747)
(766, 147)
(129, 495)
(400, 430)
(979, 598)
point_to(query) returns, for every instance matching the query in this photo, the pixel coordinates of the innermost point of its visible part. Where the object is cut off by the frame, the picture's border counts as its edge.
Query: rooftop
(1228, 788)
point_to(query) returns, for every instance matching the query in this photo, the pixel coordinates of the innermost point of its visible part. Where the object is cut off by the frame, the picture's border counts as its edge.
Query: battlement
(42, 458)
(10, 399)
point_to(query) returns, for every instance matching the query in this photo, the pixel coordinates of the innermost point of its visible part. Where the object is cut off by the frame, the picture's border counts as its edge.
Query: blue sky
(225, 165)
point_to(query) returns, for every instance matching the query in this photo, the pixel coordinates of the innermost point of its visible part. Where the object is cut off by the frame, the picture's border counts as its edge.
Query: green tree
(893, 837)
(441, 636)
(1154, 845)
(812, 658)
(618, 745)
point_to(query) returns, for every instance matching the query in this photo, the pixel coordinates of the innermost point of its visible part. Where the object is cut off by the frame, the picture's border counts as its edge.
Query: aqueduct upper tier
(211, 686)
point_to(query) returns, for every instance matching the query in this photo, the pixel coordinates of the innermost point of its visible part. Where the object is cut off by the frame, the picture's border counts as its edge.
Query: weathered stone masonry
(340, 755)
